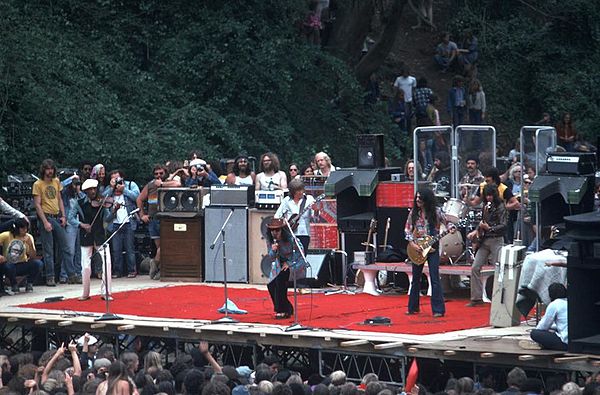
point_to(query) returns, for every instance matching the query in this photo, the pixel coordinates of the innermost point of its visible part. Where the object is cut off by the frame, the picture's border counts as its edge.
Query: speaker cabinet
(181, 200)
(370, 153)
(181, 249)
(258, 259)
(319, 271)
(236, 244)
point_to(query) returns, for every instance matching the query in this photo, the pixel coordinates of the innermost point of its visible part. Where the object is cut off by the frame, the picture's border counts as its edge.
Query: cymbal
(468, 185)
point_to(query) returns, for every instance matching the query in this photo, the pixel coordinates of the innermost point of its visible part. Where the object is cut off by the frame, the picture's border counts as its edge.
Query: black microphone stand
(296, 326)
(227, 319)
(108, 316)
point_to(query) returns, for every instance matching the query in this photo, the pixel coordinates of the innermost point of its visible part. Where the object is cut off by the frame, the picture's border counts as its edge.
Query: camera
(200, 167)
(119, 181)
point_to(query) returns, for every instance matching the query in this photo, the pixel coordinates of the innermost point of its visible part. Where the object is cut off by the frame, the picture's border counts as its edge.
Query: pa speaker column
(370, 153)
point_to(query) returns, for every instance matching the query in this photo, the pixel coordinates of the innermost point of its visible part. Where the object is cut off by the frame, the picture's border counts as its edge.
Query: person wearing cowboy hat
(287, 261)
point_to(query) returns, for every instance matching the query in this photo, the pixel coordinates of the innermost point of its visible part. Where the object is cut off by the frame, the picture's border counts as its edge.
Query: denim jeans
(71, 265)
(437, 296)
(122, 243)
(58, 236)
(30, 269)
(548, 340)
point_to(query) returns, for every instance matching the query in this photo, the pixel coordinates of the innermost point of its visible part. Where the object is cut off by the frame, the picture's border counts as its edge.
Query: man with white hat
(95, 213)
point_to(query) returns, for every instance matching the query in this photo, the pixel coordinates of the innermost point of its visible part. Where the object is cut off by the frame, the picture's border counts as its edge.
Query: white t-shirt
(406, 84)
(243, 180)
(288, 207)
(122, 215)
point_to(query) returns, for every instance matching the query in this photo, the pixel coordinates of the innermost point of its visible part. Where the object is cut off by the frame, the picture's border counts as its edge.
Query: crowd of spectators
(86, 367)
(64, 229)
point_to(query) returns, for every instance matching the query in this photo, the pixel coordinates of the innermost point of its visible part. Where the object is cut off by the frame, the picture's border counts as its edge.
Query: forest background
(131, 83)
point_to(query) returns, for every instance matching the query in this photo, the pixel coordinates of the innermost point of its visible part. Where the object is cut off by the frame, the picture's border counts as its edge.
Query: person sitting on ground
(270, 178)
(552, 332)
(446, 52)
(19, 255)
(242, 174)
(469, 50)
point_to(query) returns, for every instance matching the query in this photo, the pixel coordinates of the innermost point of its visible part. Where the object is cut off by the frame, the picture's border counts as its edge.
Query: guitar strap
(302, 206)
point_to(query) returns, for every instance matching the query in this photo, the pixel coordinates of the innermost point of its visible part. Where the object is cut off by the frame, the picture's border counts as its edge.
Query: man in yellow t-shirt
(19, 254)
(51, 216)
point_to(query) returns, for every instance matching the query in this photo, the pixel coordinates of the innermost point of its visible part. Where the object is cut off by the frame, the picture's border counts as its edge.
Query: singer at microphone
(490, 233)
(125, 211)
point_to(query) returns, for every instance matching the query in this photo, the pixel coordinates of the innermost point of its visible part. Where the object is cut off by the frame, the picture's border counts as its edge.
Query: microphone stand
(108, 316)
(344, 290)
(227, 319)
(296, 326)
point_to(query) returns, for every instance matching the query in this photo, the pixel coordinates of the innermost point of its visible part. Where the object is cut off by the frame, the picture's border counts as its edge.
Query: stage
(184, 311)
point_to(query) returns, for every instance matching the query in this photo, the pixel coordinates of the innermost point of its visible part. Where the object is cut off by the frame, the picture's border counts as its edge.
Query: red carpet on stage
(317, 310)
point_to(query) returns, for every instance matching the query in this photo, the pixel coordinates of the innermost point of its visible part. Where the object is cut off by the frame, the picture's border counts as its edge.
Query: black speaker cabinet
(370, 153)
(181, 249)
(319, 271)
(181, 200)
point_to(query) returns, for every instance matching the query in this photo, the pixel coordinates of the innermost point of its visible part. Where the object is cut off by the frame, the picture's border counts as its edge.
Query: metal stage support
(389, 369)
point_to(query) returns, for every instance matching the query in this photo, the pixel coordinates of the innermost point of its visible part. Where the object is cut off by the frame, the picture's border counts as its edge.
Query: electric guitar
(480, 233)
(294, 219)
(426, 243)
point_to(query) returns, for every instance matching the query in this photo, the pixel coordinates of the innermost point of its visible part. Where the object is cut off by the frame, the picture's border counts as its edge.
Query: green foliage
(130, 83)
(537, 58)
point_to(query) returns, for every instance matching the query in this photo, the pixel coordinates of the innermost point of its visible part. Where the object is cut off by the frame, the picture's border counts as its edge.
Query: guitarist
(425, 219)
(297, 202)
(490, 233)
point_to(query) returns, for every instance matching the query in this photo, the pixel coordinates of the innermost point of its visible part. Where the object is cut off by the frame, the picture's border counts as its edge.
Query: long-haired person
(286, 258)
(489, 235)
(423, 220)
(118, 382)
(270, 177)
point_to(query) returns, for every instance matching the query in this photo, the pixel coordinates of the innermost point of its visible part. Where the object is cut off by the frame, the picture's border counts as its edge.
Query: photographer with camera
(200, 174)
(124, 195)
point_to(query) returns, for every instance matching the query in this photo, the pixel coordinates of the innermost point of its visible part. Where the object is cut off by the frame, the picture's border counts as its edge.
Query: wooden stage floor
(491, 346)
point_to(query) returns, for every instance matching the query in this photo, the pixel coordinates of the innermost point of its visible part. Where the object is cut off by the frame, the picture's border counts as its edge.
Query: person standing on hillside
(408, 84)
(476, 103)
(457, 101)
(423, 95)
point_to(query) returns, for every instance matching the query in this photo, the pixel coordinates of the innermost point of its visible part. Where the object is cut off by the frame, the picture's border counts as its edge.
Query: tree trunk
(377, 54)
(353, 22)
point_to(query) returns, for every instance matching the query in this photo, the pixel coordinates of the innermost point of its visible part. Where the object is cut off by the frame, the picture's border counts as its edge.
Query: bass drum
(451, 247)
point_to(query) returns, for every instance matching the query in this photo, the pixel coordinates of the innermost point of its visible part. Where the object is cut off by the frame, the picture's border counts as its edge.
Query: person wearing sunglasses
(424, 220)
(293, 172)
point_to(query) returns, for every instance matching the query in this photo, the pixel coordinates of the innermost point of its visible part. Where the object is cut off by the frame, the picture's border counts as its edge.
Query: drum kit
(452, 246)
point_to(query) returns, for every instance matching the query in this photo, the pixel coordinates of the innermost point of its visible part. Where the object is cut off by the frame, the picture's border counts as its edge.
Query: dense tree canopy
(537, 56)
(133, 82)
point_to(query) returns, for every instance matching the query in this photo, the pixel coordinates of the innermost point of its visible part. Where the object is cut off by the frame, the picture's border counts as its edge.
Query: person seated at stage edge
(552, 332)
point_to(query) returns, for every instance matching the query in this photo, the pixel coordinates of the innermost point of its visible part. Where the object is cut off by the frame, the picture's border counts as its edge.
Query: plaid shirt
(422, 97)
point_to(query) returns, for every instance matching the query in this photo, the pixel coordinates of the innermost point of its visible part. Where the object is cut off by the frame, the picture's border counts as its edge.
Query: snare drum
(455, 210)
(451, 247)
